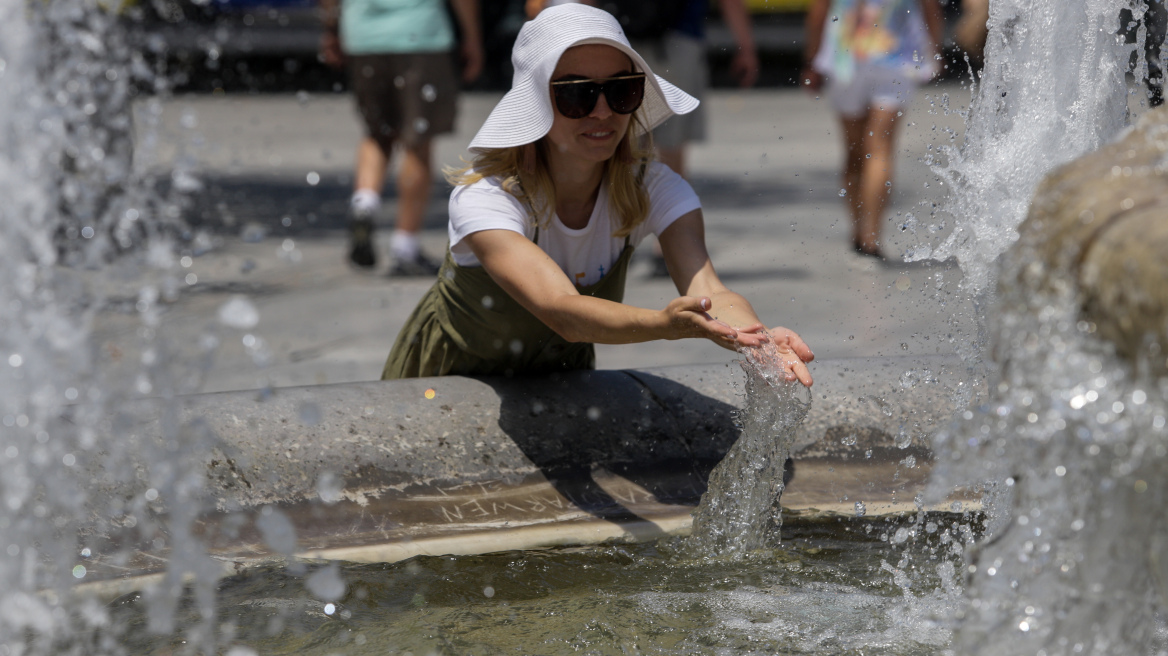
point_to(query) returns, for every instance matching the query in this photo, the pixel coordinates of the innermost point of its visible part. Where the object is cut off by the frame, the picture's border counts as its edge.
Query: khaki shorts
(404, 97)
(681, 60)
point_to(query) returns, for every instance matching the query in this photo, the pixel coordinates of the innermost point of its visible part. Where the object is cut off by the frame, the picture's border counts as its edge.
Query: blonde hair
(525, 175)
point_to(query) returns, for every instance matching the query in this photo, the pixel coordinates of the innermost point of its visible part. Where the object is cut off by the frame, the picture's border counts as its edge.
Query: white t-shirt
(584, 255)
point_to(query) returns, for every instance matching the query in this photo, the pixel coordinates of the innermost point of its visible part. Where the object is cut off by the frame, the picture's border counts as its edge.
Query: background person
(544, 220)
(873, 54)
(399, 58)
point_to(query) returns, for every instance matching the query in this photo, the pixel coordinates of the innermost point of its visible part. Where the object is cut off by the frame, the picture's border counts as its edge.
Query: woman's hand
(791, 352)
(689, 316)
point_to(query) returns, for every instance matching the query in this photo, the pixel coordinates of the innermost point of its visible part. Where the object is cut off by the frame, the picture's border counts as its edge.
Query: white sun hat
(525, 113)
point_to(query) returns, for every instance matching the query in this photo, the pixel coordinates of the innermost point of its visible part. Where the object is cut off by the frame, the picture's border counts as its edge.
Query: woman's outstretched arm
(533, 279)
(683, 244)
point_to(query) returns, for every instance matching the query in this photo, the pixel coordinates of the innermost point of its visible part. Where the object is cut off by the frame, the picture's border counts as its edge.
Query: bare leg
(875, 186)
(413, 187)
(372, 163)
(854, 128)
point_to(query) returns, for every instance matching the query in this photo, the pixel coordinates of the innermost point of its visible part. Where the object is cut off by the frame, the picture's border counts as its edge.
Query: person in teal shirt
(400, 59)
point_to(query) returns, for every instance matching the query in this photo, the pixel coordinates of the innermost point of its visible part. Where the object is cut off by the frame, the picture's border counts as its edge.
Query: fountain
(117, 486)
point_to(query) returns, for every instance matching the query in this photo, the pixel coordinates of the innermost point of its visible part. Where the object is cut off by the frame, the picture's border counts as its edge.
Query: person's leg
(372, 163)
(413, 188)
(427, 98)
(371, 79)
(854, 128)
(875, 180)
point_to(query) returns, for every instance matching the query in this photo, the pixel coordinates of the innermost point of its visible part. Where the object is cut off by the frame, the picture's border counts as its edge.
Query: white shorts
(872, 87)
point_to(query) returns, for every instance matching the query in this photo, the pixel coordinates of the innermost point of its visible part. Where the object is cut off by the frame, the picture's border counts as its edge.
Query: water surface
(836, 585)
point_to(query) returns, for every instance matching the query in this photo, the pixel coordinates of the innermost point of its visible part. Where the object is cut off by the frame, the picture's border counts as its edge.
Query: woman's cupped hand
(782, 345)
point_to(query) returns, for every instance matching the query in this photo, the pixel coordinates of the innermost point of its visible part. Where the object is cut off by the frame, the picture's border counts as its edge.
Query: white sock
(365, 202)
(404, 245)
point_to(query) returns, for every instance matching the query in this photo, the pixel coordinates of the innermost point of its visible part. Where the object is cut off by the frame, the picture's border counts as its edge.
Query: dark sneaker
(419, 267)
(361, 251)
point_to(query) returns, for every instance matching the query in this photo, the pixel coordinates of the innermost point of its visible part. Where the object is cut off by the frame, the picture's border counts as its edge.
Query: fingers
(789, 339)
(801, 372)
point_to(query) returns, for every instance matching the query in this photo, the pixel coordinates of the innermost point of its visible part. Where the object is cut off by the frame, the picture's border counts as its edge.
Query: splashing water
(1052, 89)
(80, 220)
(1071, 448)
(740, 510)
(1072, 453)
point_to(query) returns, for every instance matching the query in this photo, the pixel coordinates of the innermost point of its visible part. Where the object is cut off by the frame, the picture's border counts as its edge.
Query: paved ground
(273, 177)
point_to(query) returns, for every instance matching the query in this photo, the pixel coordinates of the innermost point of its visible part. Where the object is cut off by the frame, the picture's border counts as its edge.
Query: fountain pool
(113, 481)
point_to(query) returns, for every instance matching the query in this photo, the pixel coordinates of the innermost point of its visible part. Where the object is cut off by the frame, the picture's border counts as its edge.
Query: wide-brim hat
(525, 113)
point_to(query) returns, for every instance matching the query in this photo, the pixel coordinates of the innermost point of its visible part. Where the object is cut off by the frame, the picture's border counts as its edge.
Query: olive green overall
(467, 325)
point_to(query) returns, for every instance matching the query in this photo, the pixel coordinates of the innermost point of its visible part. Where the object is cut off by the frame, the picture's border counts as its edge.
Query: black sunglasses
(577, 98)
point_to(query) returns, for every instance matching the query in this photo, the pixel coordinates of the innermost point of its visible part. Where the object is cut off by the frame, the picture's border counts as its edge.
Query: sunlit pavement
(271, 177)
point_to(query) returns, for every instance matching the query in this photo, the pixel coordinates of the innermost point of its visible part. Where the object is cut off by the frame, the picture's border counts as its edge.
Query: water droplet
(429, 93)
(488, 592)
(326, 584)
(843, 192)
(79, 572)
(861, 509)
(277, 530)
(238, 312)
(313, 178)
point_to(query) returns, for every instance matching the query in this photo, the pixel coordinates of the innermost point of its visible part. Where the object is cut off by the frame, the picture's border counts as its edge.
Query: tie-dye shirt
(888, 33)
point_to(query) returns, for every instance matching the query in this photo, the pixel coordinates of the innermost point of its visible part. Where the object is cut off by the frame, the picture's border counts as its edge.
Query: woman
(873, 54)
(544, 220)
